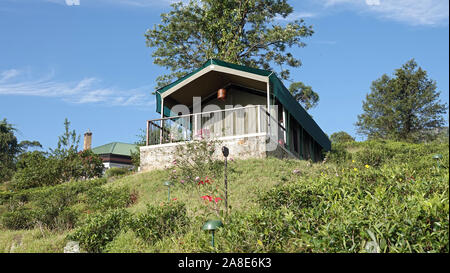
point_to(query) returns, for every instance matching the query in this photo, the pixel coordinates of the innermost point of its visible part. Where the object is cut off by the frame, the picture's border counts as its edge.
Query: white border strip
(218, 68)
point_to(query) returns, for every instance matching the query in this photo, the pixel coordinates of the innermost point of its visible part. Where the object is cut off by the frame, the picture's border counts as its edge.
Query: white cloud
(297, 15)
(373, 2)
(8, 74)
(87, 90)
(412, 12)
(133, 3)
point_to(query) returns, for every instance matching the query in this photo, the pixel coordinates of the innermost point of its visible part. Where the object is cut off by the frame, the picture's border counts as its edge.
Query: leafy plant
(116, 171)
(100, 229)
(160, 221)
(102, 199)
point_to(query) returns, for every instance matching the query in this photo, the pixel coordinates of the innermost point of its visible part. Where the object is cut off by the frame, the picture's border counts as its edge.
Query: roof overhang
(209, 80)
(215, 74)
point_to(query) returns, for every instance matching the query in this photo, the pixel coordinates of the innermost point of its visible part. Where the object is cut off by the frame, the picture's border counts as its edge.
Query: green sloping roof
(117, 148)
(277, 88)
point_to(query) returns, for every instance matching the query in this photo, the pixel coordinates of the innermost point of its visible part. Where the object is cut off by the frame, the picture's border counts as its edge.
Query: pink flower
(207, 198)
(182, 181)
(217, 199)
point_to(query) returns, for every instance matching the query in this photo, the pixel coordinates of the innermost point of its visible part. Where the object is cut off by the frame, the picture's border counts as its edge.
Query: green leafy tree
(91, 164)
(304, 94)
(35, 169)
(10, 149)
(238, 31)
(404, 107)
(67, 153)
(136, 155)
(341, 137)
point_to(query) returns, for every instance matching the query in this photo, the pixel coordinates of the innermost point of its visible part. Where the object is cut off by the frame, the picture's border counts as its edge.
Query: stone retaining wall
(160, 156)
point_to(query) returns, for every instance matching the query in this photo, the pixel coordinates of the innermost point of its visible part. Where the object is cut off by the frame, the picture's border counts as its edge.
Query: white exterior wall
(109, 165)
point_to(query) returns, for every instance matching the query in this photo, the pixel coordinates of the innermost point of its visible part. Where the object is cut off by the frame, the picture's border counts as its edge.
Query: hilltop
(365, 197)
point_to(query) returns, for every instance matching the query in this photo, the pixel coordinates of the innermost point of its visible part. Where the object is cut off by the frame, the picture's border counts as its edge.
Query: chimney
(87, 140)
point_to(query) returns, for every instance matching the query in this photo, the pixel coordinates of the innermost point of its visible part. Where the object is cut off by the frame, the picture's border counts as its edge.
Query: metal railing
(241, 121)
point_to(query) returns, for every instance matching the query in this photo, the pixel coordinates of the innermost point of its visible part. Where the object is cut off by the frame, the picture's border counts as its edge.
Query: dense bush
(160, 221)
(91, 165)
(100, 198)
(100, 229)
(53, 209)
(51, 206)
(19, 218)
(195, 160)
(115, 171)
(338, 154)
(341, 137)
(259, 231)
(35, 169)
(374, 154)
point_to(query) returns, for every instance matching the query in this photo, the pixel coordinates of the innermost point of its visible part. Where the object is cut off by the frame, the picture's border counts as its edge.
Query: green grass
(355, 201)
(249, 179)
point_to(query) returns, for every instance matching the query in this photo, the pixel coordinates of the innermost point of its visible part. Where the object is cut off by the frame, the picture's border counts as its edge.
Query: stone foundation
(160, 156)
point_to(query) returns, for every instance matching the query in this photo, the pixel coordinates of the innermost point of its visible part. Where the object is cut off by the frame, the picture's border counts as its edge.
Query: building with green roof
(115, 154)
(246, 108)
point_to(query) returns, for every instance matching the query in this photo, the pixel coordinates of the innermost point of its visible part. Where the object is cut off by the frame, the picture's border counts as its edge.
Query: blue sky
(89, 62)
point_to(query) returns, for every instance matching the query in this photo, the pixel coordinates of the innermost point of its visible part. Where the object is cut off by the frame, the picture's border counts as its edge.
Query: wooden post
(268, 97)
(147, 138)
(284, 124)
(259, 118)
(161, 133)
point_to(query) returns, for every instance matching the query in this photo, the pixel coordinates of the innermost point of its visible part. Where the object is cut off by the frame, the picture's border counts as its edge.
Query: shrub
(258, 231)
(115, 171)
(341, 137)
(195, 159)
(35, 170)
(100, 229)
(53, 209)
(91, 165)
(338, 154)
(292, 196)
(52, 206)
(374, 154)
(19, 218)
(382, 207)
(5, 196)
(100, 198)
(158, 222)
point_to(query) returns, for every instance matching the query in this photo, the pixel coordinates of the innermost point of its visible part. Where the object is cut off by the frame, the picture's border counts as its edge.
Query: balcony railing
(242, 121)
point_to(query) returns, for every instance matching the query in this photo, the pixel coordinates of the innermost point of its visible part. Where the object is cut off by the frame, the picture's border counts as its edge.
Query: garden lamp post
(225, 153)
(212, 225)
(168, 184)
(438, 158)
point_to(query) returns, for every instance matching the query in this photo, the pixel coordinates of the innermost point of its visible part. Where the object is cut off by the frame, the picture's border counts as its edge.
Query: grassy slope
(248, 179)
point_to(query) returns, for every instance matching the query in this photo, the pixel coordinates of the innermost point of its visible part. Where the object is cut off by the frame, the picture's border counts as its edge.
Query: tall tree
(341, 137)
(304, 94)
(238, 31)
(404, 107)
(10, 148)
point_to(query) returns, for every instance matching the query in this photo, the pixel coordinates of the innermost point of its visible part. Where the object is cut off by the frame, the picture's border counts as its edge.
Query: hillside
(366, 197)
